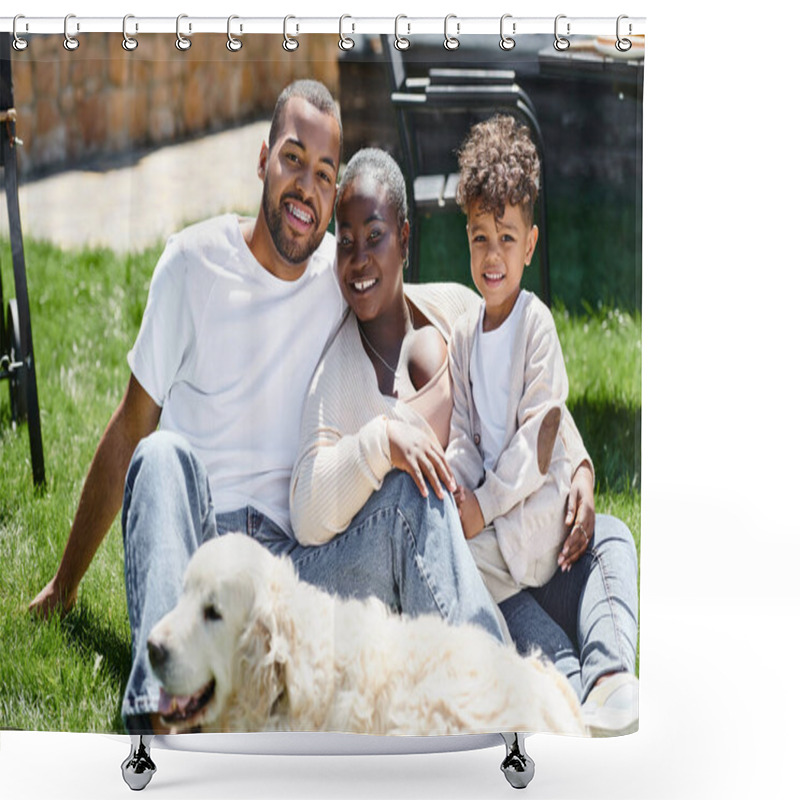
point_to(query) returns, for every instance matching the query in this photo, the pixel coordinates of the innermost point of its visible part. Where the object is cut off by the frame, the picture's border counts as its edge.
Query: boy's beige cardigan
(521, 506)
(344, 448)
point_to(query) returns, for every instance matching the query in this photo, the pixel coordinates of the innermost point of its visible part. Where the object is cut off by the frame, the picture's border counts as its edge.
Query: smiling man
(238, 315)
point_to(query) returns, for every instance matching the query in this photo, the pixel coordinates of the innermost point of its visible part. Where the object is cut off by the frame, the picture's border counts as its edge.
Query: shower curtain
(121, 148)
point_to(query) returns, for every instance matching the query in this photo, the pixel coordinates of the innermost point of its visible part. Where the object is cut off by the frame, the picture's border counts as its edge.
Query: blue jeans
(402, 548)
(584, 620)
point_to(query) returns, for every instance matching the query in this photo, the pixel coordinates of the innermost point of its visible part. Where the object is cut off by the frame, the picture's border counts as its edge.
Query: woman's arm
(335, 474)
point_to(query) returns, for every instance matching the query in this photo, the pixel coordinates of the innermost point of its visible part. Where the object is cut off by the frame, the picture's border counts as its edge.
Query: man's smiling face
(300, 172)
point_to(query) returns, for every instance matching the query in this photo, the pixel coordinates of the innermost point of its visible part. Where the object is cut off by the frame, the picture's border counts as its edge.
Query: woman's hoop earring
(507, 42)
(233, 44)
(128, 42)
(451, 42)
(345, 42)
(623, 45)
(70, 42)
(18, 43)
(182, 43)
(561, 44)
(290, 44)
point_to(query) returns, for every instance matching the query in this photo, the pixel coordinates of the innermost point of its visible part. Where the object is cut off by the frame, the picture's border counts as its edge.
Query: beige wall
(101, 100)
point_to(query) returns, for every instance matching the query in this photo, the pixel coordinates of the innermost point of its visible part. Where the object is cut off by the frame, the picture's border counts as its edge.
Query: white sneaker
(612, 708)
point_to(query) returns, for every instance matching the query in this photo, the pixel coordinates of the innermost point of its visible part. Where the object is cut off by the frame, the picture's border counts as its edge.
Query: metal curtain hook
(560, 42)
(623, 45)
(345, 42)
(182, 43)
(233, 44)
(400, 42)
(18, 42)
(128, 42)
(290, 44)
(451, 42)
(507, 42)
(70, 42)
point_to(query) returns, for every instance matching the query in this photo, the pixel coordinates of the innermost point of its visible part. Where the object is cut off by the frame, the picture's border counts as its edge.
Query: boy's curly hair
(499, 164)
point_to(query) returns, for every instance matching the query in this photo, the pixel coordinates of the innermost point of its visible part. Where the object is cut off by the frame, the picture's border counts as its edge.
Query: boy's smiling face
(500, 248)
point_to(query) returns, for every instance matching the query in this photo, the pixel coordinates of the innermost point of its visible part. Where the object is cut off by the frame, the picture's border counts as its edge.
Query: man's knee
(162, 464)
(160, 447)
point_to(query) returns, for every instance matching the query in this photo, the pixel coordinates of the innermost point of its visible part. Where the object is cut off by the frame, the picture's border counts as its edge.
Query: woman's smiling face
(370, 248)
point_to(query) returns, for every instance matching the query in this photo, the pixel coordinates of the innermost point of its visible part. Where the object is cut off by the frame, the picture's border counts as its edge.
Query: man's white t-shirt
(228, 351)
(490, 373)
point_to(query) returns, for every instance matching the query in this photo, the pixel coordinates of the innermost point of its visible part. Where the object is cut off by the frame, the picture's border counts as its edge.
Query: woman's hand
(421, 456)
(580, 517)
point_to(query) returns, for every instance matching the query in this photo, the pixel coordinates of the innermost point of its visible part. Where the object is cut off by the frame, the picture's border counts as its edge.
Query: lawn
(86, 309)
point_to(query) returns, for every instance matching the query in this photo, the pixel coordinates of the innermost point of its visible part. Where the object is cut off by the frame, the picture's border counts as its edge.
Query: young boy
(509, 380)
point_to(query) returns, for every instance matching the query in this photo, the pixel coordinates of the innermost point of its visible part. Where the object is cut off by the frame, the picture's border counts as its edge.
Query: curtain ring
(18, 42)
(290, 44)
(233, 44)
(70, 42)
(507, 42)
(400, 42)
(623, 45)
(128, 42)
(182, 43)
(561, 44)
(345, 42)
(451, 42)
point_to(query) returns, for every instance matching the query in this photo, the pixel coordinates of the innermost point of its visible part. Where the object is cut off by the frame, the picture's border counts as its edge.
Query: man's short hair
(380, 166)
(312, 92)
(499, 164)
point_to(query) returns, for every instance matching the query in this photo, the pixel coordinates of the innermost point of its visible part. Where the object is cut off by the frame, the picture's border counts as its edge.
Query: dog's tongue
(169, 704)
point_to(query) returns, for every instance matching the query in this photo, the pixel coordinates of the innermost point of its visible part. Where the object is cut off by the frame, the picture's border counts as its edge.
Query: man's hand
(469, 509)
(52, 599)
(580, 517)
(421, 456)
(101, 498)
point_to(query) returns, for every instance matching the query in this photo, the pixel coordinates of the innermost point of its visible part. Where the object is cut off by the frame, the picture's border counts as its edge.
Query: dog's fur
(285, 655)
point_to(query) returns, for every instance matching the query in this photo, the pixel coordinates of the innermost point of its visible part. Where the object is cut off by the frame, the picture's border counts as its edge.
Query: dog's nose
(158, 653)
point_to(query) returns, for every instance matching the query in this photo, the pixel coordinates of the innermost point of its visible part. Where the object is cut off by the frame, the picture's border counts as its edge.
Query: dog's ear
(263, 653)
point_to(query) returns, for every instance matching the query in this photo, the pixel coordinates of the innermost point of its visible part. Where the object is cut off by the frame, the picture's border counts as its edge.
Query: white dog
(250, 647)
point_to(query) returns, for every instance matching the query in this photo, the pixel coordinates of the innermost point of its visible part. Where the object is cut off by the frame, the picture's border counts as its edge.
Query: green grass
(86, 308)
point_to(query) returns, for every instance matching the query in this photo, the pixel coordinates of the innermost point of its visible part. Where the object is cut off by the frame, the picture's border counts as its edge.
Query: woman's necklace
(392, 369)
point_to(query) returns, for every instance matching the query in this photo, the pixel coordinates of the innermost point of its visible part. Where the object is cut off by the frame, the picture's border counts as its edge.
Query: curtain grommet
(290, 43)
(17, 42)
(451, 42)
(70, 42)
(182, 42)
(560, 43)
(233, 44)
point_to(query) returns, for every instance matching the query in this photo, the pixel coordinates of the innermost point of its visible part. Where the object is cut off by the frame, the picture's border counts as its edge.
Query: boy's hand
(469, 510)
(580, 517)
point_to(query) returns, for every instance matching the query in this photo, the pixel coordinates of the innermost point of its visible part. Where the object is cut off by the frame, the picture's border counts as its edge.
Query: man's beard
(294, 251)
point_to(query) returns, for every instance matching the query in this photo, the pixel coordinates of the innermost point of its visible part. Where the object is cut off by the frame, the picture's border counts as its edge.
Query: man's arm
(101, 498)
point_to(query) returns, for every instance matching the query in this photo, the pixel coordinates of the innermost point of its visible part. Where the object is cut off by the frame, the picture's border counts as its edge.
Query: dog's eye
(211, 614)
